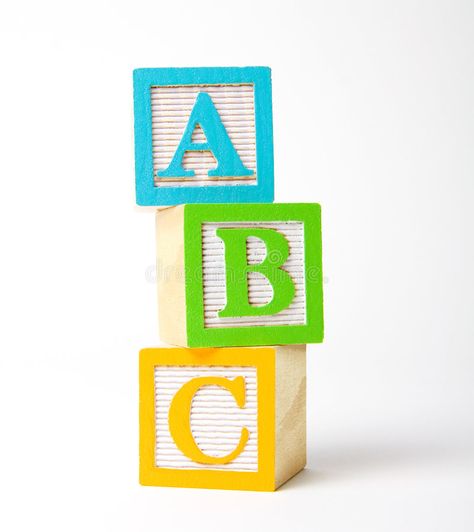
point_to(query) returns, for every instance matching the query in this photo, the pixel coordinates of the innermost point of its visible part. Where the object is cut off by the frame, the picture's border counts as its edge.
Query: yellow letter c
(179, 418)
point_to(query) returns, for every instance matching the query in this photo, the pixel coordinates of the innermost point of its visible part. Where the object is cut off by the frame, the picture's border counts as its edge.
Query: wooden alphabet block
(203, 135)
(229, 418)
(236, 275)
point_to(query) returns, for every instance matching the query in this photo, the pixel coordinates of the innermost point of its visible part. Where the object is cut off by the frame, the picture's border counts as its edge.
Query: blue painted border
(146, 193)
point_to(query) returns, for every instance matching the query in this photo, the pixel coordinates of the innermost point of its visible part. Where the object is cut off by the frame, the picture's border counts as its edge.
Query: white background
(374, 119)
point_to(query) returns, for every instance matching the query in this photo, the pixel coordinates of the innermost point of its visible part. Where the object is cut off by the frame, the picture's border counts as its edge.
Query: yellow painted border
(262, 358)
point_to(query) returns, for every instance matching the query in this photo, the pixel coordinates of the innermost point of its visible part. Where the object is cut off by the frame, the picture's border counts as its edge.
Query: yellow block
(226, 418)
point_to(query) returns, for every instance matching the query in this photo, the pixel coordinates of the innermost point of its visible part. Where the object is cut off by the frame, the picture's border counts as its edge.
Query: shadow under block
(240, 275)
(203, 135)
(227, 418)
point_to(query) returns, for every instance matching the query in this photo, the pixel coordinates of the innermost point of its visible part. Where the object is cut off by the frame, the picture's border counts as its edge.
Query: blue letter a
(218, 142)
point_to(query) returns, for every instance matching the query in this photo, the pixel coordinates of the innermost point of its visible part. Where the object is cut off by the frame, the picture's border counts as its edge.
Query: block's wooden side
(290, 412)
(170, 275)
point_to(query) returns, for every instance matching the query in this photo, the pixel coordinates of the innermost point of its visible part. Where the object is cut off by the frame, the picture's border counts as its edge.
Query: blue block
(203, 135)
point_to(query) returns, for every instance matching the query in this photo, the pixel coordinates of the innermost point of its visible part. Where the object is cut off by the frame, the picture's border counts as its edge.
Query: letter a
(218, 142)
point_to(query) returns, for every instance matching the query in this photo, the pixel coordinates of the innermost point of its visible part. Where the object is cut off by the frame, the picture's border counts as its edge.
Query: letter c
(179, 418)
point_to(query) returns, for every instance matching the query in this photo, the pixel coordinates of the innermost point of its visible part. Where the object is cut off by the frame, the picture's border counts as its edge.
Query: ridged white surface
(171, 107)
(260, 290)
(216, 420)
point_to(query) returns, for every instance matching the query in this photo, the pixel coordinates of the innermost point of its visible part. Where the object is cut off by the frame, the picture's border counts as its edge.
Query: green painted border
(197, 334)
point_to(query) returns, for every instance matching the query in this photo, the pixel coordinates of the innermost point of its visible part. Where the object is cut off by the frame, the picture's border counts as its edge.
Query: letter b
(237, 270)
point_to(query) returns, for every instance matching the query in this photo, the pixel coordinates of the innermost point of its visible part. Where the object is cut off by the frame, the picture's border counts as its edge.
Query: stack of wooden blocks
(239, 285)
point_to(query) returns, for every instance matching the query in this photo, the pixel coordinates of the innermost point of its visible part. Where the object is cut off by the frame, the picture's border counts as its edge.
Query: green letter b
(237, 270)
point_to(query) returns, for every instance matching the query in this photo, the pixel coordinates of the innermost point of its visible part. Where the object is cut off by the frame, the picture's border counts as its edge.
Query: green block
(240, 274)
